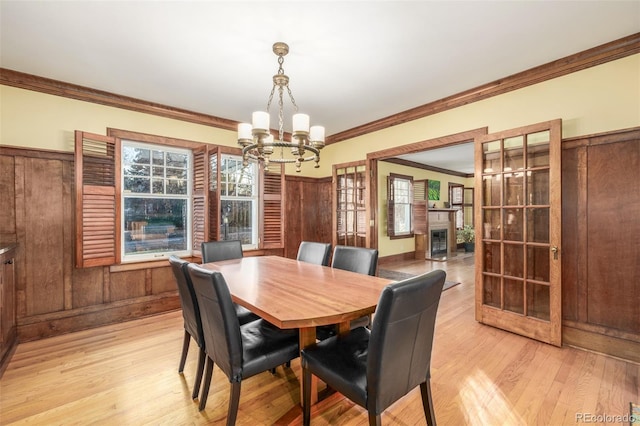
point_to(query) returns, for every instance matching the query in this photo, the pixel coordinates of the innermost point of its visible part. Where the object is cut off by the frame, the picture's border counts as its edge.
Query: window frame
(391, 204)
(254, 198)
(133, 258)
(98, 180)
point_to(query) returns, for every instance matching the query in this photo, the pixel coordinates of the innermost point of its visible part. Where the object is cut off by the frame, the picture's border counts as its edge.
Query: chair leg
(306, 396)
(207, 383)
(185, 350)
(196, 384)
(427, 402)
(374, 420)
(234, 402)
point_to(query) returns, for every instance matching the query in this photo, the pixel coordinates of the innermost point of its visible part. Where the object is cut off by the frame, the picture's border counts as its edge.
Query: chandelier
(258, 143)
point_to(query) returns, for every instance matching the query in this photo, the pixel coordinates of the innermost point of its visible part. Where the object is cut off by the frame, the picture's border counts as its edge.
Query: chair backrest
(220, 323)
(402, 338)
(312, 252)
(213, 251)
(190, 309)
(356, 259)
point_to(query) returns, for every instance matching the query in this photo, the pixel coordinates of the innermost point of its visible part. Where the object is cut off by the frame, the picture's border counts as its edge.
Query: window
(145, 201)
(156, 201)
(399, 198)
(239, 201)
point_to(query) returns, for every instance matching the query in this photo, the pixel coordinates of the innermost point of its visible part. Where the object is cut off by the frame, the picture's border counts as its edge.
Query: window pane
(156, 201)
(158, 158)
(176, 186)
(402, 218)
(154, 225)
(491, 291)
(237, 221)
(176, 160)
(239, 200)
(137, 185)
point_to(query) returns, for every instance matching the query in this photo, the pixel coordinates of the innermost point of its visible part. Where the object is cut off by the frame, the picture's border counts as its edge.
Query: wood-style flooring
(126, 374)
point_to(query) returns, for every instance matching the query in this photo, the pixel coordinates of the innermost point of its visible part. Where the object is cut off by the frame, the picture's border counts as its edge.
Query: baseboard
(58, 323)
(609, 345)
(396, 258)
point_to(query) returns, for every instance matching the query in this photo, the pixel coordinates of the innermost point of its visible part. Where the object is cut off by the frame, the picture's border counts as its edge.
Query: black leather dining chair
(313, 252)
(239, 351)
(191, 316)
(214, 251)
(375, 368)
(355, 259)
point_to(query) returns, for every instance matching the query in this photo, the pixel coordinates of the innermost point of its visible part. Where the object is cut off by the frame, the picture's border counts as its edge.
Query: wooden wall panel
(7, 189)
(127, 285)
(570, 247)
(44, 237)
(308, 212)
(613, 214)
(88, 286)
(294, 216)
(317, 211)
(600, 250)
(162, 280)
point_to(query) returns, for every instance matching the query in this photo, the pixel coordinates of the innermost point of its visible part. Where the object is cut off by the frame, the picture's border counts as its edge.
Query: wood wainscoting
(308, 212)
(601, 244)
(52, 296)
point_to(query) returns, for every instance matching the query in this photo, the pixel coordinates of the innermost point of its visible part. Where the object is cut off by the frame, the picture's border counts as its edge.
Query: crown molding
(59, 88)
(598, 55)
(607, 52)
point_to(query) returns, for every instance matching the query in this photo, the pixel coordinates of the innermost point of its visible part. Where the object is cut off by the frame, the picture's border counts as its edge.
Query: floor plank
(127, 374)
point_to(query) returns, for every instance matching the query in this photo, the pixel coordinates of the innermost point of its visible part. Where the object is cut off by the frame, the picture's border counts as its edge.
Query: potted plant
(468, 237)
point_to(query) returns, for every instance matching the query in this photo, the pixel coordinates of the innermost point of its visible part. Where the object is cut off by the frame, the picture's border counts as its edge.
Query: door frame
(424, 145)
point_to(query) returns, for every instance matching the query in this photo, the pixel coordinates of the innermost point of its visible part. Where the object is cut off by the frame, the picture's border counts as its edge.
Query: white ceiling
(350, 63)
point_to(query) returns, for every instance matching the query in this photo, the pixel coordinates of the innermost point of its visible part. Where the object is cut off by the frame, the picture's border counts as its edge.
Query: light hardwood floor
(126, 374)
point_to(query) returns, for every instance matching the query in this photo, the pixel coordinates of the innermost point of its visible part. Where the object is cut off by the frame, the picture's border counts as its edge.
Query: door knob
(554, 250)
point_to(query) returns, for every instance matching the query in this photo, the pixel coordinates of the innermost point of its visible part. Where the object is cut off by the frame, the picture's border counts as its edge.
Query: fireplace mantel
(437, 219)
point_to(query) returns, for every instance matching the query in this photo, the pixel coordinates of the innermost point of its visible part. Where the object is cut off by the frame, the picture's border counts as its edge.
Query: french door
(350, 204)
(518, 231)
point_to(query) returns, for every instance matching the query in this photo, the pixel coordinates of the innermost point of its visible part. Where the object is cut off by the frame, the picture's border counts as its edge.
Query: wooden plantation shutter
(214, 194)
(419, 206)
(97, 171)
(272, 207)
(199, 198)
(391, 228)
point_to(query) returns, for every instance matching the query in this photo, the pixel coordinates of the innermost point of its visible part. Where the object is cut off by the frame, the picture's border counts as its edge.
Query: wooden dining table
(294, 294)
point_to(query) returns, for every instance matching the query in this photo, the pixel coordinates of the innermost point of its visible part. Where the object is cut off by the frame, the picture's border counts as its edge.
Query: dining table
(292, 294)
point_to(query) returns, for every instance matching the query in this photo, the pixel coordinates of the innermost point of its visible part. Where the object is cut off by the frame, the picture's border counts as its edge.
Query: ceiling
(350, 62)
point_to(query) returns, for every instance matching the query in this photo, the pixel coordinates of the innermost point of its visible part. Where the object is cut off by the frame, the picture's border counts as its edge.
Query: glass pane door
(350, 205)
(517, 263)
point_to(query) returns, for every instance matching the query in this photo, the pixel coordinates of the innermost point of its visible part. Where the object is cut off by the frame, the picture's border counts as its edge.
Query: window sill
(398, 237)
(136, 266)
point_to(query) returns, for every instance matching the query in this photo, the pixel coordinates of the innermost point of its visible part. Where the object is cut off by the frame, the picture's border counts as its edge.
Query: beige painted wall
(37, 120)
(595, 100)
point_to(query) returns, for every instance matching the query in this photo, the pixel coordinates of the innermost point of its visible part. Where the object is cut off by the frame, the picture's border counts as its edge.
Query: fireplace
(438, 242)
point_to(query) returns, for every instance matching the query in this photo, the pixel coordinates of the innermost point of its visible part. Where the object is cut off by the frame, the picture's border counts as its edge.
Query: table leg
(308, 337)
(344, 328)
